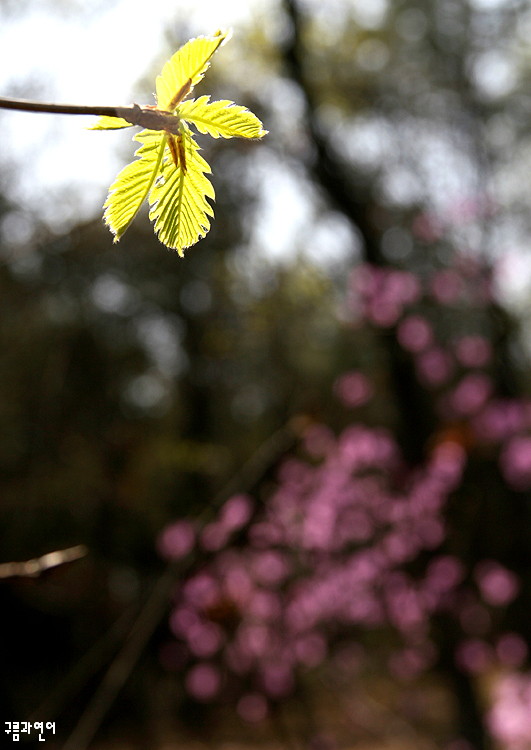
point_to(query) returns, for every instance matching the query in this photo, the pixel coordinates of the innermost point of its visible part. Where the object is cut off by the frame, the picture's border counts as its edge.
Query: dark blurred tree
(419, 83)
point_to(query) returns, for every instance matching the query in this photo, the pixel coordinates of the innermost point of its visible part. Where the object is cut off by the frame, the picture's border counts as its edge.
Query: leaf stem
(147, 117)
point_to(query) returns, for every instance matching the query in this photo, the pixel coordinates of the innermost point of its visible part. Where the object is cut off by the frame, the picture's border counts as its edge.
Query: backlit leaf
(221, 118)
(168, 170)
(178, 199)
(189, 63)
(133, 183)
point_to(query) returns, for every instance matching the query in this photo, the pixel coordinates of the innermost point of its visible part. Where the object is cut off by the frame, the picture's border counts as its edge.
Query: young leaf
(179, 208)
(169, 170)
(189, 63)
(222, 118)
(132, 185)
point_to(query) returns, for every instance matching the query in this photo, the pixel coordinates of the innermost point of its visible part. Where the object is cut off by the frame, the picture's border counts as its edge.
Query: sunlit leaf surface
(169, 170)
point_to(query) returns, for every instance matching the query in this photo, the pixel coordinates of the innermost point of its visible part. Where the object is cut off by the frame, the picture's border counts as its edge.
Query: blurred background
(287, 477)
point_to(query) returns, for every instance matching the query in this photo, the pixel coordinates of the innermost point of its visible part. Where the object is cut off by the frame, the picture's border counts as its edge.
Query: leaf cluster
(169, 170)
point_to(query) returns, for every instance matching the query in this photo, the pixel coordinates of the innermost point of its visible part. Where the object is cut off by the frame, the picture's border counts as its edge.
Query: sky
(90, 52)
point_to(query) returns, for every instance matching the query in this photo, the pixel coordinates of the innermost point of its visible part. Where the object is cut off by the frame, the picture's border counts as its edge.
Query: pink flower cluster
(324, 554)
(275, 587)
(327, 553)
(457, 367)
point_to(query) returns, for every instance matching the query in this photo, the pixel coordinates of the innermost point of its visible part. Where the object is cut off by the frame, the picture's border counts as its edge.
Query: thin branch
(66, 692)
(38, 565)
(147, 117)
(121, 667)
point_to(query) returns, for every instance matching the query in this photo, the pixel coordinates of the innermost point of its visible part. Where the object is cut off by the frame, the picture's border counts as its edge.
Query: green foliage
(168, 170)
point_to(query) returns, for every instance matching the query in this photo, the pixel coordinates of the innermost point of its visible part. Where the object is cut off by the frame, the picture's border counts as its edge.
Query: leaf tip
(226, 35)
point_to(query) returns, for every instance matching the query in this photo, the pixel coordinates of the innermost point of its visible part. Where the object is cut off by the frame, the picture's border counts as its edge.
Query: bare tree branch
(37, 566)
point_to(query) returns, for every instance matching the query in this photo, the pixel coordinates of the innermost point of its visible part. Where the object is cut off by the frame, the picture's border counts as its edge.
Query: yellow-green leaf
(110, 123)
(168, 170)
(221, 118)
(178, 199)
(133, 183)
(189, 63)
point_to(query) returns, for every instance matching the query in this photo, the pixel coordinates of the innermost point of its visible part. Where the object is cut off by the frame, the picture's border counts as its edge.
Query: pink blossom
(498, 585)
(214, 537)
(203, 681)
(294, 472)
(204, 639)
(354, 389)
(414, 333)
(362, 447)
(254, 640)
(515, 462)
(384, 293)
(237, 583)
(404, 606)
(474, 656)
(236, 512)
(176, 541)
(444, 573)
(399, 547)
(364, 279)
(434, 366)
(430, 532)
(471, 393)
(447, 462)
(447, 286)
(277, 679)
(403, 286)
(473, 351)
(265, 533)
(269, 567)
(500, 419)
(264, 605)
(183, 620)
(202, 590)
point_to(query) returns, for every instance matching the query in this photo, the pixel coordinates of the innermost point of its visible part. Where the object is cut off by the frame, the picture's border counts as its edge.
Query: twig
(147, 117)
(88, 665)
(38, 565)
(124, 662)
